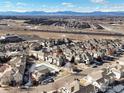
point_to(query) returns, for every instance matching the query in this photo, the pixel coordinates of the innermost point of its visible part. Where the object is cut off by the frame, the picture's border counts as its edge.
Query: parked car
(48, 80)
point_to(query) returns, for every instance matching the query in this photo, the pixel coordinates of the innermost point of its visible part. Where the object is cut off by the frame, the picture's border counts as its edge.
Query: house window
(72, 89)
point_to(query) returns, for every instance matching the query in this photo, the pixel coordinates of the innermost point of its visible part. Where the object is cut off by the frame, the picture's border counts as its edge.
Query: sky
(62, 5)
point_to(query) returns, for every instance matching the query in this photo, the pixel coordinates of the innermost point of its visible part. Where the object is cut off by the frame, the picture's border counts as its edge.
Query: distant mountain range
(61, 13)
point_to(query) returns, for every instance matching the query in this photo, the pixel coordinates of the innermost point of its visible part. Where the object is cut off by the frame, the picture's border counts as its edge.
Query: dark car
(48, 80)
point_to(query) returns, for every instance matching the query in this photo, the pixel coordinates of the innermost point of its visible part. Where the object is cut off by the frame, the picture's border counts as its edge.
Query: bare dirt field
(48, 35)
(9, 26)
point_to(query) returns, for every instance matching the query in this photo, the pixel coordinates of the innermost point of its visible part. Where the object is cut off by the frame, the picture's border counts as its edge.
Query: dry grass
(57, 35)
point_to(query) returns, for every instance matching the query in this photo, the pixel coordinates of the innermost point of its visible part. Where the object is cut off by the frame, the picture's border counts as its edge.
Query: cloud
(20, 4)
(112, 7)
(7, 4)
(99, 1)
(67, 4)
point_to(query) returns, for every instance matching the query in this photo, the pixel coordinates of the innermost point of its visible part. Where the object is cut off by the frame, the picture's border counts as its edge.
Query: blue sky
(62, 5)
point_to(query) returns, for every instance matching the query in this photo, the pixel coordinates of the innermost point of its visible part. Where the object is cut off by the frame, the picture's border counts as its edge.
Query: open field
(80, 28)
(53, 35)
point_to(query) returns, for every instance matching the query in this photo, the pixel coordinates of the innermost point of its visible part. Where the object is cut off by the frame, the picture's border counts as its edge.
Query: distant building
(11, 38)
